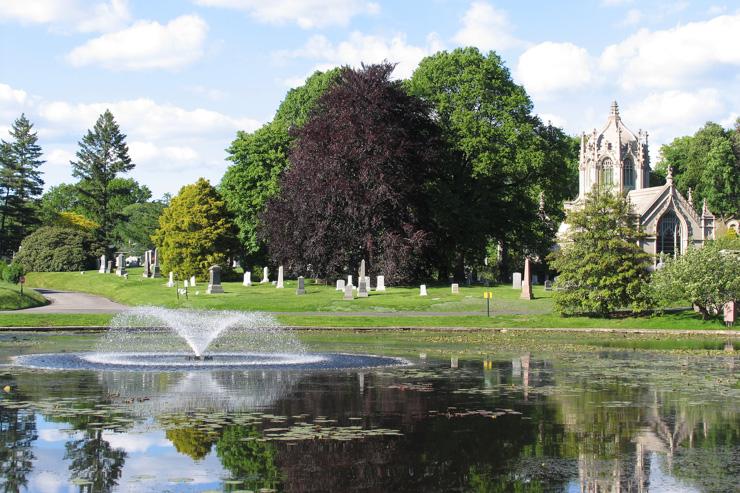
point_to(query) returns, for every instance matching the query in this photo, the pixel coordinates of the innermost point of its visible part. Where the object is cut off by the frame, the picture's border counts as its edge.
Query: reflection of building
(617, 159)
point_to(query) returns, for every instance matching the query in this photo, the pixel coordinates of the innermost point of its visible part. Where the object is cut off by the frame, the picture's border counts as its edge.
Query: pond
(518, 419)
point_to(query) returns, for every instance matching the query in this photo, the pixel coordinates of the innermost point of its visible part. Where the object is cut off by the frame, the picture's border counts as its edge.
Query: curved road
(72, 302)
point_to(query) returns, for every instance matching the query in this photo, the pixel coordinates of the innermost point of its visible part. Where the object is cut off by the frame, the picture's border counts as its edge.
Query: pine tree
(102, 156)
(21, 184)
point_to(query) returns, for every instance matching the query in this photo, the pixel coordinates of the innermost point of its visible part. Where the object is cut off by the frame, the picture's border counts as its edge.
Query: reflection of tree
(191, 441)
(484, 480)
(247, 458)
(94, 460)
(17, 433)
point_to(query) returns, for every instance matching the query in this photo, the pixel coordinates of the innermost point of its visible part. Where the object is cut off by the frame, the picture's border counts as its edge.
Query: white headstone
(247, 279)
(455, 288)
(301, 289)
(362, 288)
(214, 280)
(423, 290)
(517, 281)
(265, 276)
(340, 284)
(348, 292)
(192, 281)
(349, 280)
(120, 266)
(362, 271)
(367, 283)
(171, 282)
(380, 286)
(185, 283)
(280, 278)
(102, 264)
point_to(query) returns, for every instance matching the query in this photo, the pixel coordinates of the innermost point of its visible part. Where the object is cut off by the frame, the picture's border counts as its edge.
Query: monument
(516, 280)
(380, 283)
(362, 288)
(147, 264)
(265, 276)
(109, 267)
(423, 290)
(247, 279)
(102, 264)
(455, 288)
(214, 280)
(120, 265)
(280, 278)
(527, 282)
(340, 284)
(348, 292)
(301, 286)
(192, 281)
(155, 266)
(171, 280)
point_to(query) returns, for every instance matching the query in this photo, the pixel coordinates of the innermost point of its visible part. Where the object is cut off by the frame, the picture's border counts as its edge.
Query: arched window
(669, 234)
(606, 173)
(629, 175)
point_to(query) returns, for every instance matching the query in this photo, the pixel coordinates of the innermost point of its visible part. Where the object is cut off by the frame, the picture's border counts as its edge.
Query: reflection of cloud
(133, 442)
(56, 435)
(47, 482)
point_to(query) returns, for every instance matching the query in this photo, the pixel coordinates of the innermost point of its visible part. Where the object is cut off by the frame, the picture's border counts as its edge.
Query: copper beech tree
(357, 183)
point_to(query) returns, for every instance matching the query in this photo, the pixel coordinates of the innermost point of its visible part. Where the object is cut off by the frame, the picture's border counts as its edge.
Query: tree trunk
(460, 268)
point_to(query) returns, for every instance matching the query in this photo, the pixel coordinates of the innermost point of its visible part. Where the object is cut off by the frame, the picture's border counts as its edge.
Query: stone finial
(690, 197)
(614, 110)
(669, 176)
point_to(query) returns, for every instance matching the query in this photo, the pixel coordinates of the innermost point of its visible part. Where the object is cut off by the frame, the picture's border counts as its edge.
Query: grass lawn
(12, 299)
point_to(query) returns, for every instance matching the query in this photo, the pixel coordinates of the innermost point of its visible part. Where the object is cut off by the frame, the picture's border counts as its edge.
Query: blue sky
(182, 76)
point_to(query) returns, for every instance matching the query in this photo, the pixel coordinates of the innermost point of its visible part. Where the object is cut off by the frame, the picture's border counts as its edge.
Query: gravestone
(423, 290)
(349, 280)
(192, 281)
(380, 283)
(265, 276)
(340, 284)
(548, 285)
(102, 264)
(280, 278)
(455, 288)
(526, 282)
(214, 280)
(362, 271)
(155, 266)
(147, 264)
(301, 286)
(120, 265)
(348, 292)
(362, 288)
(517, 280)
(367, 283)
(171, 280)
(247, 279)
(109, 267)
(185, 283)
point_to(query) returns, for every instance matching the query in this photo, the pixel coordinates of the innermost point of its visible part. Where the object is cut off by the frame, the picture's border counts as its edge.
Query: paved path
(73, 302)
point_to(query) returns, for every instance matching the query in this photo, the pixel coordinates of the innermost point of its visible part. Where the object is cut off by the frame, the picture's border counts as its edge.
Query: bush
(57, 249)
(12, 273)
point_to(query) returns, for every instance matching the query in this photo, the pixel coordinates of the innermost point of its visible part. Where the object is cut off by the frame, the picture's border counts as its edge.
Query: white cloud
(362, 48)
(305, 13)
(556, 120)
(674, 57)
(487, 28)
(79, 15)
(59, 157)
(12, 103)
(8, 95)
(145, 45)
(149, 152)
(633, 18)
(549, 67)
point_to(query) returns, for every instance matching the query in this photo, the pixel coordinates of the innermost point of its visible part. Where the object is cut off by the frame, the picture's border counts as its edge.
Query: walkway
(73, 302)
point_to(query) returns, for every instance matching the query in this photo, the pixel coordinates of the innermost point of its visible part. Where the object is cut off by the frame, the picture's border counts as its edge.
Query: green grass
(53, 320)
(12, 299)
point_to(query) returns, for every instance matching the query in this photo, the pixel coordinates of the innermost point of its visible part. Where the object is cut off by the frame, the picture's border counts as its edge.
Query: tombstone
(214, 280)
(185, 284)
(349, 280)
(517, 280)
(367, 283)
(535, 279)
(147, 264)
(380, 283)
(247, 279)
(109, 267)
(423, 290)
(527, 282)
(171, 281)
(455, 288)
(348, 292)
(362, 271)
(102, 264)
(265, 276)
(301, 286)
(548, 285)
(192, 280)
(155, 265)
(280, 278)
(362, 288)
(340, 284)
(120, 265)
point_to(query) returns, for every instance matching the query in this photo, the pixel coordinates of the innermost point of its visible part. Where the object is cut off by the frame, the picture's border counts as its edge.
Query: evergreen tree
(103, 155)
(20, 184)
(601, 267)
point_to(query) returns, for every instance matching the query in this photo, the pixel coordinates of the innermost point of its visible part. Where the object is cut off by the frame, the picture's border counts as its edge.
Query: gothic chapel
(618, 159)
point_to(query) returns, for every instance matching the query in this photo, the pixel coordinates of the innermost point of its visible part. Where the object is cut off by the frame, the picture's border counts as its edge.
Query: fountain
(163, 339)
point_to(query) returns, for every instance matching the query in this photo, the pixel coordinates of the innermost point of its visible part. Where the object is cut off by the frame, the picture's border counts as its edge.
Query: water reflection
(591, 423)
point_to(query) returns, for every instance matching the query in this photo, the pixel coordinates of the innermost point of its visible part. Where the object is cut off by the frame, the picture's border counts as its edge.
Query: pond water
(523, 421)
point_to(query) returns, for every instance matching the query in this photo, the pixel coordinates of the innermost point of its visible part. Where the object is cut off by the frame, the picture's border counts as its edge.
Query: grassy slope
(11, 298)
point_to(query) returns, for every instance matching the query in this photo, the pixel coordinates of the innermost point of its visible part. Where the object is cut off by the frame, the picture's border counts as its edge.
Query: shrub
(57, 249)
(12, 273)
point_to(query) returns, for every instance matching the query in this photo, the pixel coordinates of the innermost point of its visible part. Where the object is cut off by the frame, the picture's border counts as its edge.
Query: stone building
(618, 159)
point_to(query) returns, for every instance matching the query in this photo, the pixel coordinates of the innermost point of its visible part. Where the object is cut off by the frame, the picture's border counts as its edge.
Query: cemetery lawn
(12, 299)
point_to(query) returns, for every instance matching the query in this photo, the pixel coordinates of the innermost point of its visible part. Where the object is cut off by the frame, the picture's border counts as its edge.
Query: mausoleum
(618, 159)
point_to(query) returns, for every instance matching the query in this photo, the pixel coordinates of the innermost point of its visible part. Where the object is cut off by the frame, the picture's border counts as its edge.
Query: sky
(182, 76)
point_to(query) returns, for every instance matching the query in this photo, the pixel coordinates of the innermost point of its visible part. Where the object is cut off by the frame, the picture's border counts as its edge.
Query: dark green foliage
(57, 199)
(709, 163)
(12, 273)
(20, 184)
(56, 249)
(248, 458)
(103, 155)
(140, 222)
(601, 266)
(260, 158)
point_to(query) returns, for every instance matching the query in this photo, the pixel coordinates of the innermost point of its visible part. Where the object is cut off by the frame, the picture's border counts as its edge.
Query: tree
(141, 221)
(195, 232)
(260, 158)
(601, 266)
(709, 163)
(705, 277)
(58, 249)
(356, 185)
(20, 184)
(500, 157)
(57, 199)
(103, 155)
